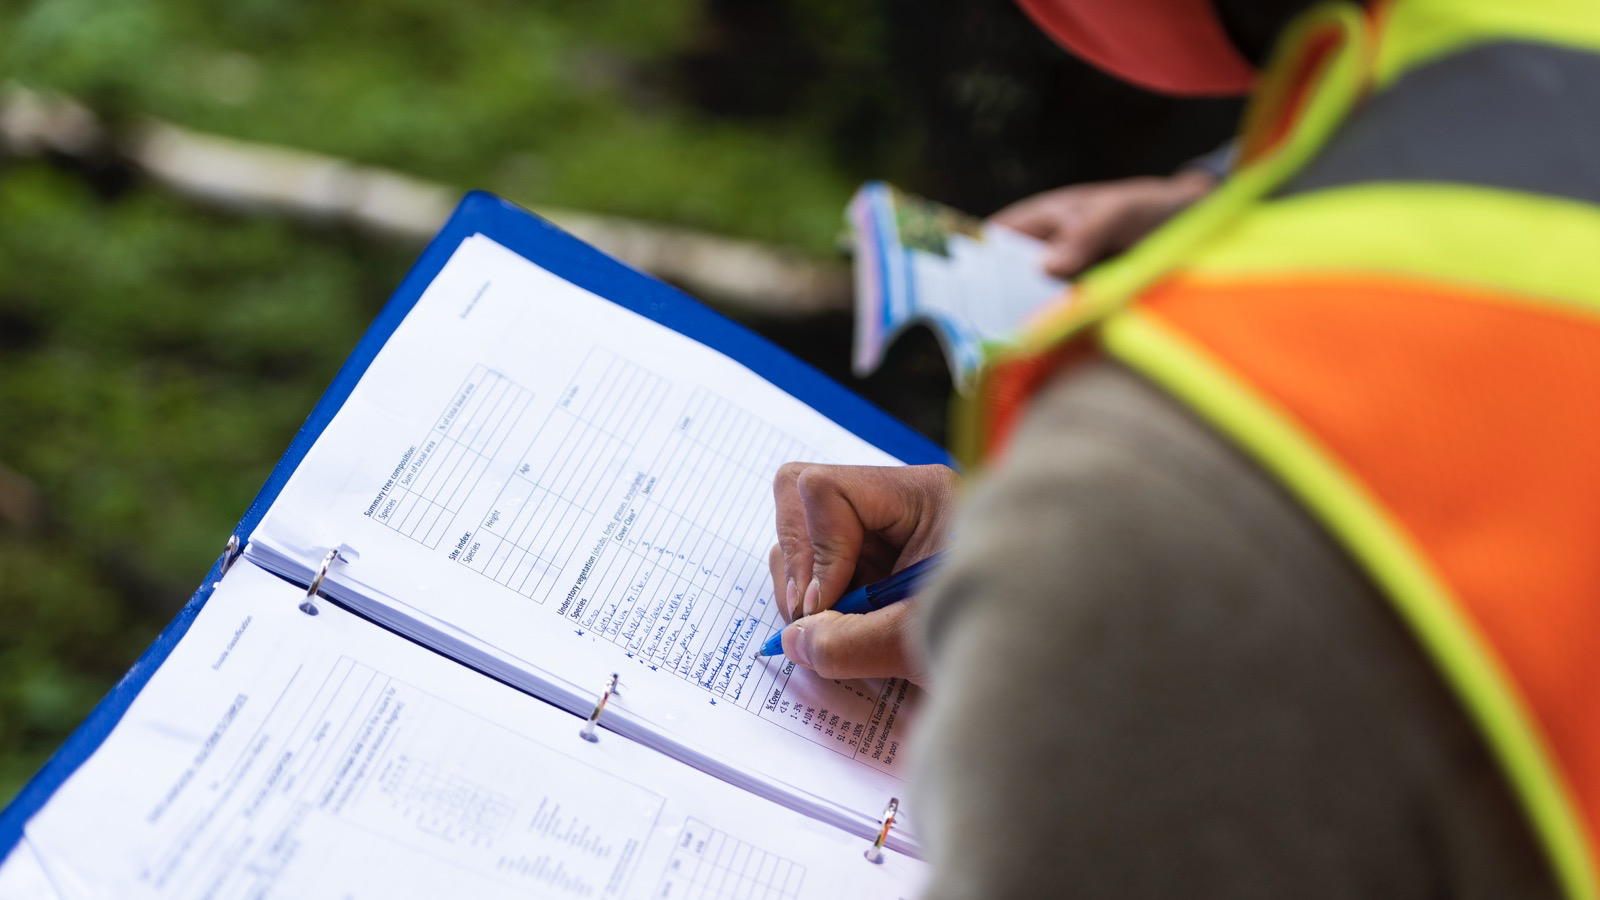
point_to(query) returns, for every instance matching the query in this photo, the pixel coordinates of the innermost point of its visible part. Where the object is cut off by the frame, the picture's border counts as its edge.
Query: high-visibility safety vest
(1393, 307)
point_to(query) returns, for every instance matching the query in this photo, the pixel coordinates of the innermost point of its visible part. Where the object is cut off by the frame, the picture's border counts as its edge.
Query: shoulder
(1166, 675)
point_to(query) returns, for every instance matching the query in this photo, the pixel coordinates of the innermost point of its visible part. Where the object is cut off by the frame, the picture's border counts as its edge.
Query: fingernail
(813, 596)
(788, 601)
(797, 647)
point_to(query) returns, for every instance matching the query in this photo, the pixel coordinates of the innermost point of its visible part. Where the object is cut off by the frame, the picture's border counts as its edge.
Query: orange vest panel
(1474, 420)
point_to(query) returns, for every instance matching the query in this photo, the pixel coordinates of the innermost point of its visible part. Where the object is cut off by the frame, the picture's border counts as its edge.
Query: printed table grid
(532, 529)
(683, 597)
(448, 807)
(448, 462)
(709, 864)
(676, 572)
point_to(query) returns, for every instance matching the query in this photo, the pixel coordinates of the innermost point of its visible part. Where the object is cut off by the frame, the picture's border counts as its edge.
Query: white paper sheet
(544, 482)
(277, 754)
(23, 878)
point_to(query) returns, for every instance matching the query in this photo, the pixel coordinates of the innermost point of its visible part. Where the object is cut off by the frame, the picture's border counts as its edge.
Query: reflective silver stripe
(1511, 114)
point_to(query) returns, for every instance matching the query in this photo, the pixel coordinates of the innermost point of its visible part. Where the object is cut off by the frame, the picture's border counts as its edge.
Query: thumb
(870, 645)
(1067, 256)
(902, 505)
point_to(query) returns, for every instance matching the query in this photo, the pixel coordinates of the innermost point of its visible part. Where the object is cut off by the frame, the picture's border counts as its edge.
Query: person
(1276, 579)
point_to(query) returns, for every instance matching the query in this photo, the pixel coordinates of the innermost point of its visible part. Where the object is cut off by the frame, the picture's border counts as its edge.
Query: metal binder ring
(874, 853)
(613, 686)
(309, 605)
(230, 553)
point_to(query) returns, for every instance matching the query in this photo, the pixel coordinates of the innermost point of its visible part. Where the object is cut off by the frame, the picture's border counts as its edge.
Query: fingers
(874, 645)
(904, 507)
(794, 540)
(1036, 216)
(775, 566)
(1065, 219)
(841, 505)
(834, 522)
(1089, 223)
(1068, 255)
(1084, 223)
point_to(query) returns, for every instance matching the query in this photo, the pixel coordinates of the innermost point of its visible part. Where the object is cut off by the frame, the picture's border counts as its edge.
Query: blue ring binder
(562, 254)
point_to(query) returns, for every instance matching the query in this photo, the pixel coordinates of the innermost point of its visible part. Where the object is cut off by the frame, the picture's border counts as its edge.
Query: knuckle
(790, 534)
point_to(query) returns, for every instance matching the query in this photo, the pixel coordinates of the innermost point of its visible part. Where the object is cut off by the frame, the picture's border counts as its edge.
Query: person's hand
(840, 527)
(1084, 223)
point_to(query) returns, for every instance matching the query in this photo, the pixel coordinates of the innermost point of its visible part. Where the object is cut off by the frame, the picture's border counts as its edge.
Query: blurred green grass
(154, 363)
(563, 102)
(156, 357)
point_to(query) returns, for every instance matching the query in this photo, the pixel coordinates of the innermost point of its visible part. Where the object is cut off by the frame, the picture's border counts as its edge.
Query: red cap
(1171, 46)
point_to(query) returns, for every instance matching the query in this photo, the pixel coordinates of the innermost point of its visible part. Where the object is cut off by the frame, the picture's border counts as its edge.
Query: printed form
(544, 483)
(277, 754)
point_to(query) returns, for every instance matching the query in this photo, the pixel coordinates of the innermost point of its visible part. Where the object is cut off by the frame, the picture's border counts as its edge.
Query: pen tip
(773, 646)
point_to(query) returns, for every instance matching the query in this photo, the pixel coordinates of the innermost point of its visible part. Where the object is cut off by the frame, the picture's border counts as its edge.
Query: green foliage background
(568, 102)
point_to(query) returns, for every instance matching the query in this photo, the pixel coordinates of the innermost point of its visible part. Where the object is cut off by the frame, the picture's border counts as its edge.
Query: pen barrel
(890, 590)
(896, 587)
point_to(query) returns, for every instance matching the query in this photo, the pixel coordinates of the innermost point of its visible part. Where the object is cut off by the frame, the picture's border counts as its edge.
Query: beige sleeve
(1155, 677)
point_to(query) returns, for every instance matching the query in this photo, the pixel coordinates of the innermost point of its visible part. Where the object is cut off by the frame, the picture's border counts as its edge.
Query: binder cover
(565, 256)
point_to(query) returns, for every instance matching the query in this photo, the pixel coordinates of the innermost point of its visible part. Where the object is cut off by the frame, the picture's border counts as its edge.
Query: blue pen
(876, 595)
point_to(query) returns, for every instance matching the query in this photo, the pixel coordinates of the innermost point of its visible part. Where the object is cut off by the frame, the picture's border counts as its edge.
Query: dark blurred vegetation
(156, 357)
